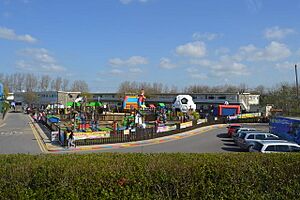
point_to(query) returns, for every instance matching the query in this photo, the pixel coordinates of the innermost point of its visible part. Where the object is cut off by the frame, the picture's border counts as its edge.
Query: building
(204, 101)
(39, 99)
(248, 102)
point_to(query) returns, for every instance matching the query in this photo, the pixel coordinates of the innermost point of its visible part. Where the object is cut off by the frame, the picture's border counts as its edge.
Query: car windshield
(243, 135)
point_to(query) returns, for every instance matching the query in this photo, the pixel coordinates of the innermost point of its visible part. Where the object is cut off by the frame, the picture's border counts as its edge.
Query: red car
(231, 129)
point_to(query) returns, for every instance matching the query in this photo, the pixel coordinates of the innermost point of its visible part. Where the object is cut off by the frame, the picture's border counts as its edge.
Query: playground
(94, 122)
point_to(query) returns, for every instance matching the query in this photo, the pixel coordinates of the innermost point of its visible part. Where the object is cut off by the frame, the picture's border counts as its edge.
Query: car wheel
(250, 148)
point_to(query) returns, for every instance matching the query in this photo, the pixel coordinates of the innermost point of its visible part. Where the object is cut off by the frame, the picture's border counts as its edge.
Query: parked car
(231, 128)
(247, 140)
(237, 134)
(267, 146)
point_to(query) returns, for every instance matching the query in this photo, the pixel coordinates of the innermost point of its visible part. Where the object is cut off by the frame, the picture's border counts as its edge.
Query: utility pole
(296, 74)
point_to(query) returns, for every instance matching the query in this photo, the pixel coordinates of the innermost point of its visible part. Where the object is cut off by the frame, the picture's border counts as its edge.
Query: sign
(200, 121)
(166, 128)
(126, 132)
(1, 90)
(91, 135)
(186, 125)
(54, 136)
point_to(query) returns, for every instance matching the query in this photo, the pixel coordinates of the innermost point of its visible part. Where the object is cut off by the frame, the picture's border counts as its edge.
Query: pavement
(201, 140)
(20, 134)
(16, 135)
(53, 148)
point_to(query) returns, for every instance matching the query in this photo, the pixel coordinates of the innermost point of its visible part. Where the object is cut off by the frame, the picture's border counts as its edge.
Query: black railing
(149, 133)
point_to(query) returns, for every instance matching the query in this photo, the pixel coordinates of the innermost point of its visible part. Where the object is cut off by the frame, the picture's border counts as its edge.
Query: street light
(296, 74)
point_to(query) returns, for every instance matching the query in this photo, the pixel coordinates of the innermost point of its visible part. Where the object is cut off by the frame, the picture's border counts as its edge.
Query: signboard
(1, 90)
(54, 136)
(186, 125)
(200, 121)
(91, 135)
(166, 128)
(244, 116)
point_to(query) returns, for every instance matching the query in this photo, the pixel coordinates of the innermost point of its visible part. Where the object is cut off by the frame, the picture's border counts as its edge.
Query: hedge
(150, 176)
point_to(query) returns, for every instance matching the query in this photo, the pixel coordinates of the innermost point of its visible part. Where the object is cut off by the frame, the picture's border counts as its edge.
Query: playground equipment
(184, 103)
(134, 102)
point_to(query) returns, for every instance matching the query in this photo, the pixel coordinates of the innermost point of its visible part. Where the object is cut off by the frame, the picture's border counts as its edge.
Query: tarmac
(49, 147)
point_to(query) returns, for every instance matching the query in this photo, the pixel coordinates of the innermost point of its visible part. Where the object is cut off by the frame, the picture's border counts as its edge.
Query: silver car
(247, 140)
(267, 146)
(236, 135)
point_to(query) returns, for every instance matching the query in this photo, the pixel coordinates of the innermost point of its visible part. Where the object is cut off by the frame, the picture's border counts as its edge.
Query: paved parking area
(16, 135)
(210, 141)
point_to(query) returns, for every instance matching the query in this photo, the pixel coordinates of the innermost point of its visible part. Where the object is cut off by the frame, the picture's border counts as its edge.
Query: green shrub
(150, 176)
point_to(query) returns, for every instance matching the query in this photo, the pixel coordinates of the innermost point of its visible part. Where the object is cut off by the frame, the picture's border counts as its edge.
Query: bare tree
(44, 82)
(65, 84)
(56, 84)
(31, 82)
(79, 86)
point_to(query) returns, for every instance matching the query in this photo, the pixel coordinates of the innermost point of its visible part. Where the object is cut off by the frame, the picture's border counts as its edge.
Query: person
(71, 140)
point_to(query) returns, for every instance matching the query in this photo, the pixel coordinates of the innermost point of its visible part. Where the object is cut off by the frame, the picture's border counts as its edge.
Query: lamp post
(297, 90)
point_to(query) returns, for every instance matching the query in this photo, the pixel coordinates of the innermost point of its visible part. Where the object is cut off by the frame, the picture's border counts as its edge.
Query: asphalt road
(212, 141)
(16, 135)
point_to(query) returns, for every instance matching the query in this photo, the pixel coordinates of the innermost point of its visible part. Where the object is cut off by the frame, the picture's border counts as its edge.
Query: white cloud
(222, 50)
(38, 60)
(195, 74)
(273, 52)
(130, 1)
(192, 49)
(135, 70)
(205, 63)
(276, 33)
(9, 34)
(229, 68)
(166, 63)
(132, 61)
(206, 36)
(116, 72)
(200, 76)
(287, 65)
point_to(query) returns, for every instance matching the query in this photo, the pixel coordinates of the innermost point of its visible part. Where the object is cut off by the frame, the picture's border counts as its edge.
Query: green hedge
(150, 176)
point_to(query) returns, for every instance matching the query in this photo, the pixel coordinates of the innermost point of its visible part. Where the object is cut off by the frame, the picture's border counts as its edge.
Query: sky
(174, 42)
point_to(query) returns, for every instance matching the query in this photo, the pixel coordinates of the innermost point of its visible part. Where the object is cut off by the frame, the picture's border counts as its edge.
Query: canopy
(96, 104)
(71, 104)
(161, 104)
(152, 106)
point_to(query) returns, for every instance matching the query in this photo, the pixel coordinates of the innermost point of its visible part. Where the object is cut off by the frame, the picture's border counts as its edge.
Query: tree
(56, 84)
(44, 82)
(79, 86)
(30, 97)
(31, 82)
(65, 84)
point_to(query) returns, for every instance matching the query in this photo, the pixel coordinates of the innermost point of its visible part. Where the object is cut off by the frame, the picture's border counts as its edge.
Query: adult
(71, 139)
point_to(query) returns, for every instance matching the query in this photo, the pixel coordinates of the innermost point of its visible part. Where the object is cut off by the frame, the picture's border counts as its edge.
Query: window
(222, 97)
(243, 135)
(283, 148)
(251, 136)
(270, 148)
(294, 149)
(260, 137)
(211, 97)
(271, 137)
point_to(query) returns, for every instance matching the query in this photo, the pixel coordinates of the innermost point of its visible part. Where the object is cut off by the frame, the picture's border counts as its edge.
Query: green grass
(150, 176)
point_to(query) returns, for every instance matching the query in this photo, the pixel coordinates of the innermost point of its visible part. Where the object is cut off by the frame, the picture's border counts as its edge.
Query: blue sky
(175, 42)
